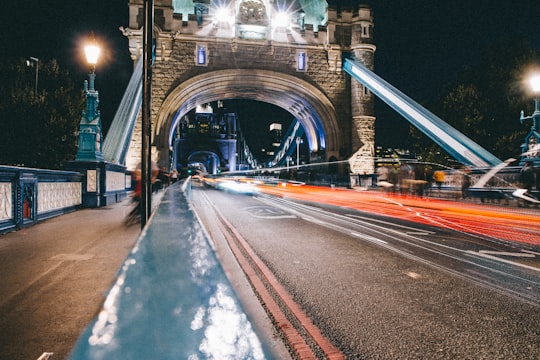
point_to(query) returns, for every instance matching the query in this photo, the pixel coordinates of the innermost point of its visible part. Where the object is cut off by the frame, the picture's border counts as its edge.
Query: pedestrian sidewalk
(54, 278)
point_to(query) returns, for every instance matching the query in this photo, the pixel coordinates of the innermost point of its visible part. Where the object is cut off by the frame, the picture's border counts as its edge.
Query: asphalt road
(375, 300)
(54, 278)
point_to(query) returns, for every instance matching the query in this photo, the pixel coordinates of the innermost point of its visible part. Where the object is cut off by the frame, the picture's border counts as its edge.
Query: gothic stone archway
(305, 102)
(297, 68)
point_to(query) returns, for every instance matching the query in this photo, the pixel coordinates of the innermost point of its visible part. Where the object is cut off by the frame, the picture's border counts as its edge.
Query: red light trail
(504, 223)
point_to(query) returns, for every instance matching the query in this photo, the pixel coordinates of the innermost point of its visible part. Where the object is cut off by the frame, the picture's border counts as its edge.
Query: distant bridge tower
(206, 54)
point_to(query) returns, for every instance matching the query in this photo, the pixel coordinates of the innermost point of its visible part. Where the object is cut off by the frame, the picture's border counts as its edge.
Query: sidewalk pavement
(54, 278)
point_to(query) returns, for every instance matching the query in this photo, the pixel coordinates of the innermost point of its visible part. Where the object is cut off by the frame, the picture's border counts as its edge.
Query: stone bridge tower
(252, 49)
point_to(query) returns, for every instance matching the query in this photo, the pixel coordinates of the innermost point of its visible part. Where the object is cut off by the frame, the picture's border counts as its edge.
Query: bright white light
(281, 19)
(222, 15)
(237, 187)
(535, 83)
(92, 53)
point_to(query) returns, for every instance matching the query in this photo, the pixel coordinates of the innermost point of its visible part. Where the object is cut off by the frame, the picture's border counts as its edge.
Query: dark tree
(38, 129)
(485, 101)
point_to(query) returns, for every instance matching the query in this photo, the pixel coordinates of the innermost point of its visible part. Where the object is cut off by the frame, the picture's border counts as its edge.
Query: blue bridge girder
(459, 146)
(288, 145)
(117, 141)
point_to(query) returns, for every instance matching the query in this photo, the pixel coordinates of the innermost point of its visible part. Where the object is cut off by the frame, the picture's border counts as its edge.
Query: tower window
(201, 55)
(301, 60)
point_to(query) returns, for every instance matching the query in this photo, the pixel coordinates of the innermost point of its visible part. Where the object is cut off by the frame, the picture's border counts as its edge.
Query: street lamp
(534, 83)
(92, 52)
(90, 136)
(89, 160)
(298, 142)
(31, 62)
(531, 147)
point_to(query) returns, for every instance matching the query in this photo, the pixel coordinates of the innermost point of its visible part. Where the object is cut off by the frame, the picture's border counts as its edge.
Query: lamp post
(530, 149)
(146, 133)
(31, 62)
(89, 160)
(534, 82)
(298, 142)
(90, 137)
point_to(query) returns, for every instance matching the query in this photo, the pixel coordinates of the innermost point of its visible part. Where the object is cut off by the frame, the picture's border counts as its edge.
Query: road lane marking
(45, 356)
(260, 276)
(368, 238)
(266, 212)
(507, 253)
(413, 231)
(72, 257)
(492, 257)
(413, 275)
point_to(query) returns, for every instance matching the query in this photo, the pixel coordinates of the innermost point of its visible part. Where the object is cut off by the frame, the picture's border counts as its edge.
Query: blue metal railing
(30, 195)
(171, 299)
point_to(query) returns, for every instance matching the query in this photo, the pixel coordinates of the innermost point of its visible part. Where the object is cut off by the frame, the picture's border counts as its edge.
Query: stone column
(362, 100)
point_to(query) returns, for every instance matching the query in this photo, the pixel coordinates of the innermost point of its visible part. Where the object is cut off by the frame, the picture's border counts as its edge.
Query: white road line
(368, 238)
(491, 257)
(507, 253)
(45, 356)
(413, 229)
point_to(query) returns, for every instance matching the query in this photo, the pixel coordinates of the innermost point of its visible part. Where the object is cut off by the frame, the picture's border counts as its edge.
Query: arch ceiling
(304, 101)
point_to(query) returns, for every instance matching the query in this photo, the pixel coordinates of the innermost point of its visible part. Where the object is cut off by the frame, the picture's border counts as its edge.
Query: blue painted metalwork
(171, 299)
(19, 200)
(530, 149)
(90, 135)
(116, 144)
(451, 140)
(288, 145)
(184, 7)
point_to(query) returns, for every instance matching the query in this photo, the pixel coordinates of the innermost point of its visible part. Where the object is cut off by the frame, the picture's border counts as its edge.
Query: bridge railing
(498, 187)
(30, 195)
(172, 298)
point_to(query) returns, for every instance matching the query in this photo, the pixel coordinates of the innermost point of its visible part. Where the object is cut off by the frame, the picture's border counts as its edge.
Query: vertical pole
(37, 77)
(298, 140)
(146, 161)
(536, 114)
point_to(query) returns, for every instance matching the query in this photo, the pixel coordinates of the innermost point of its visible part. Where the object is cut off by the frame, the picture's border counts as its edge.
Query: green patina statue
(316, 12)
(184, 7)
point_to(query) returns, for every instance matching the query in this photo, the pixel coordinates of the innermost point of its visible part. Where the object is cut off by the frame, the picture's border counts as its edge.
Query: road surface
(381, 287)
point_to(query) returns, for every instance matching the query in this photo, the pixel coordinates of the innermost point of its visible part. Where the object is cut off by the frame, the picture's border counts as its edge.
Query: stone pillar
(362, 100)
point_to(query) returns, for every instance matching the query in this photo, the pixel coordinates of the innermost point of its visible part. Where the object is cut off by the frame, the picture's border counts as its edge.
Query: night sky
(421, 44)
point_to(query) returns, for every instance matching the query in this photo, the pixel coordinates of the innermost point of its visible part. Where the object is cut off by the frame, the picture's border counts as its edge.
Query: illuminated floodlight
(534, 82)
(281, 19)
(223, 15)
